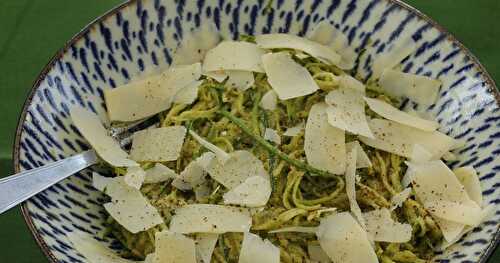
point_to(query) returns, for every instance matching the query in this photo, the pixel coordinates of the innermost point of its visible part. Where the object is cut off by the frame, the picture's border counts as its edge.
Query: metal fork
(19, 187)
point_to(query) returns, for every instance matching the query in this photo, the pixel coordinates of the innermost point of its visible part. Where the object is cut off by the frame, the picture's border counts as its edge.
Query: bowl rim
(493, 90)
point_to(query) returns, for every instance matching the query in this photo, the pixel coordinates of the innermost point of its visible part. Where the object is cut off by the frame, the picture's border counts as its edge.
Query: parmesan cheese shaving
(269, 100)
(390, 112)
(192, 176)
(389, 60)
(324, 145)
(93, 250)
(158, 144)
(420, 89)
(254, 249)
(272, 136)
(317, 50)
(253, 192)
(218, 76)
(195, 45)
(205, 245)
(222, 156)
(326, 34)
(188, 94)
(298, 229)
(344, 241)
(464, 213)
(451, 230)
(143, 98)
(468, 177)
(159, 173)
(295, 130)
(398, 199)
(241, 80)
(346, 81)
(94, 132)
(173, 247)
(130, 208)
(442, 194)
(350, 185)
(100, 182)
(287, 78)
(234, 55)
(362, 159)
(346, 111)
(381, 227)
(486, 213)
(205, 218)
(240, 166)
(134, 177)
(400, 139)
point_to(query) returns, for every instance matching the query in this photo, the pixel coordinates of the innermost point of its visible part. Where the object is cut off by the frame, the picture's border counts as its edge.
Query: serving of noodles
(225, 118)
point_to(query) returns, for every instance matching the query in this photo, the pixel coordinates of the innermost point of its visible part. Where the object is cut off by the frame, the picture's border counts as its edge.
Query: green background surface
(31, 31)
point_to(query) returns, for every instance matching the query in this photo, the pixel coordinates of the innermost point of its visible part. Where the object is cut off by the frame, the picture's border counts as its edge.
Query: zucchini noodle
(301, 195)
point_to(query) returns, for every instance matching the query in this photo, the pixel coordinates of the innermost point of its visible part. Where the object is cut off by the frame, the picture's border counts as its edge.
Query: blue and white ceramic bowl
(139, 37)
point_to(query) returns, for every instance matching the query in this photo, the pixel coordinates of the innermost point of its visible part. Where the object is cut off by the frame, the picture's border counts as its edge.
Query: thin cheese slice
(298, 229)
(234, 55)
(144, 98)
(237, 169)
(93, 250)
(204, 218)
(486, 213)
(402, 49)
(158, 144)
(324, 145)
(467, 175)
(272, 136)
(420, 89)
(295, 130)
(195, 45)
(346, 111)
(400, 139)
(130, 208)
(326, 34)
(317, 254)
(254, 249)
(350, 185)
(134, 177)
(241, 80)
(442, 194)
(315, 49)
(222, 156)
(174, 247)
(193, 175)
(398, 199)
(188, 94)
(362, 159)
(418, 155)
(159, 173)
(381, 227)
(388, 111)
(269, 100)
(346, 81)
(93, 131)
(344, 240)
(253, 192)
(218, 76)
(451, 230)
(205, 245)
(100, 182)
(287, 78)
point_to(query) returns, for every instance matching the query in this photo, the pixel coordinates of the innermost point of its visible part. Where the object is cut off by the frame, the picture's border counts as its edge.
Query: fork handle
(21, 186)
